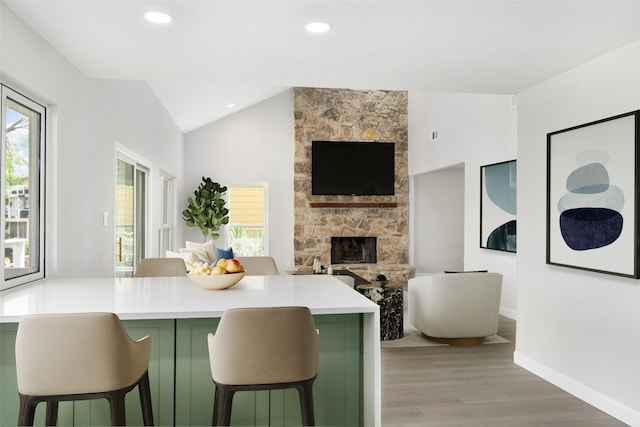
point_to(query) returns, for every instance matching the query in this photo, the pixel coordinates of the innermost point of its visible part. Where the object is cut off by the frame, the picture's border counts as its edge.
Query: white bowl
(216, 281)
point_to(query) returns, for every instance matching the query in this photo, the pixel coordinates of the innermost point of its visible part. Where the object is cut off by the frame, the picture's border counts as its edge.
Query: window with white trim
(165, 233)
(247, 229)
(23, 134)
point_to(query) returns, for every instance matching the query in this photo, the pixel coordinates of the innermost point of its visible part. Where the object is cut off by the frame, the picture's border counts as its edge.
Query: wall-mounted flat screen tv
(352, 168)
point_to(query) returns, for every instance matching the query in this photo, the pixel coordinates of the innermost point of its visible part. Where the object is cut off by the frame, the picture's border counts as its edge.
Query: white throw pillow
(209, 248)
(199, 254)
(189, 258)
(171, 254)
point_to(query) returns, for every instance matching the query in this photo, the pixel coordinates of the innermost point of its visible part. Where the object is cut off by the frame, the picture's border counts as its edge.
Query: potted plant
(206, 209)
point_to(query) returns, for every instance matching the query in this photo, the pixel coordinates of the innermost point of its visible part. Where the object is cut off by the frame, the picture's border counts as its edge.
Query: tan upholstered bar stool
(62, 357)
(161, 267)
(264, 349)
(259, 265)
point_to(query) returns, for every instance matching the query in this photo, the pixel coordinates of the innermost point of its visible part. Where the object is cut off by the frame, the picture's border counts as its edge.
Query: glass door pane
(125, 214)
(131, 216)
(141, 214)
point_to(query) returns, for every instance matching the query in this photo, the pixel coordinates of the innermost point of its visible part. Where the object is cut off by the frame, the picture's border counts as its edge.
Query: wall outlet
(434, 135)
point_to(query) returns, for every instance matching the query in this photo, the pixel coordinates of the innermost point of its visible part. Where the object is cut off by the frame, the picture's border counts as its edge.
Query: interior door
(130, 218)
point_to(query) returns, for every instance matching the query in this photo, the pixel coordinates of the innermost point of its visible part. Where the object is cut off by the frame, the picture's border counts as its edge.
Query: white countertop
(178, 297)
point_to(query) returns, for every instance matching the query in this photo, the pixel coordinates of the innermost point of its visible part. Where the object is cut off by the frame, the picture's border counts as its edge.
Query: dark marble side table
(389, 296)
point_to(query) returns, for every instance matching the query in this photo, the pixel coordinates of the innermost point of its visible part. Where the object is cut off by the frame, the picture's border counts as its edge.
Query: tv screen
(352, 168)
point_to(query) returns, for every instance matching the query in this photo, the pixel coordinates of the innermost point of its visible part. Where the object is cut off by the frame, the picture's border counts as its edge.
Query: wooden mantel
(353, 204)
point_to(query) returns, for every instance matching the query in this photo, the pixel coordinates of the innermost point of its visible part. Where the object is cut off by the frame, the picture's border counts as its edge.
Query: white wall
(86, 118)
(252, 145)
(577, 329)
(473, 130)
(437, 233)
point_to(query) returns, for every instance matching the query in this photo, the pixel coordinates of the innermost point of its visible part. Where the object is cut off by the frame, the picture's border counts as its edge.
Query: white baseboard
(592, 397)
(507, 312)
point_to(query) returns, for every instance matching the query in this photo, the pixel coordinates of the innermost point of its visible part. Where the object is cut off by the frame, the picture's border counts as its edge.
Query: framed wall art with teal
(592, 202)
(498, 206)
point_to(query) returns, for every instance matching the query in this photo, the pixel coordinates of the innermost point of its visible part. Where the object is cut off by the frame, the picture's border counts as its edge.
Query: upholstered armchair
(455, 308)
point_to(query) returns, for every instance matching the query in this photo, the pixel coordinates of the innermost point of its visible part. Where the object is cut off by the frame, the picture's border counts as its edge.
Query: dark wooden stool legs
(305, 390)
(51, 417)
(116, 404)
(223, 399)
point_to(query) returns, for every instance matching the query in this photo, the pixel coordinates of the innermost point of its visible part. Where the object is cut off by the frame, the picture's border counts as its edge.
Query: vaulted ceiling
(222, 52)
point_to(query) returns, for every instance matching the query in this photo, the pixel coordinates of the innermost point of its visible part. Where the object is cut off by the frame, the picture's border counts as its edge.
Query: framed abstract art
(592, 202)
(498, 185)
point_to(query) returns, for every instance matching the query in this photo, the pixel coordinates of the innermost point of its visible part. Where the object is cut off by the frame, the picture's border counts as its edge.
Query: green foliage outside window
(246, 240)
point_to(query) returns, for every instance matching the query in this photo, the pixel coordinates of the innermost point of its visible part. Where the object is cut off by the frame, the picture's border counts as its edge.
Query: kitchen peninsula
(178, 315)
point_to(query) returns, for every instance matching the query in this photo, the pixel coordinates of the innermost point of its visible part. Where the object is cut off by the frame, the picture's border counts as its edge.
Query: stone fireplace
(351, 115)
(354, 250)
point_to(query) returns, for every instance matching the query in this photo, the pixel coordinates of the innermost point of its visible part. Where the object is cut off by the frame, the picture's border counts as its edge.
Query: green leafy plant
(206, 209)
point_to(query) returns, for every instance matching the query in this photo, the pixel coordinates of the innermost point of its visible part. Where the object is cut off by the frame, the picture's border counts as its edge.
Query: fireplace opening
(354, 250)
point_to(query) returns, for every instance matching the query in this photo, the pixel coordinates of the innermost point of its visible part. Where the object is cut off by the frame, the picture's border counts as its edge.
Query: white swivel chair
(62, 357)
(455, 308)
(264, 349)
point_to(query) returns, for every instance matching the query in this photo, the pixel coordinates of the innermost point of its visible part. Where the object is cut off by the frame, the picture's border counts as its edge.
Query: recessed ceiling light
(318, 27)
(158, 17)
(231, 105)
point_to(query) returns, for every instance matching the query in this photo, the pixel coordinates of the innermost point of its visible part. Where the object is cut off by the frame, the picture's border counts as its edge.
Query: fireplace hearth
(354, 250)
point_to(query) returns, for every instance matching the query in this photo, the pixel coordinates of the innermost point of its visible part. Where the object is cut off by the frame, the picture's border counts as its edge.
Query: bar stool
(259, 265)
(62, 357)
(264, 349)
(161, 267)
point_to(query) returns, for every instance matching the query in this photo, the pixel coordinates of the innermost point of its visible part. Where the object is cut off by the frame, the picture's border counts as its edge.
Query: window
(23, 133)
(247, 222)
(166, 217)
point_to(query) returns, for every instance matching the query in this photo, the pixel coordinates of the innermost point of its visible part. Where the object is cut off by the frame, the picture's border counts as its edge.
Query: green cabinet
(181, 386)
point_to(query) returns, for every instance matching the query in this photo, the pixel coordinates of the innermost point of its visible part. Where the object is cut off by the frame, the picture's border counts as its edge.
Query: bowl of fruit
(222, 274)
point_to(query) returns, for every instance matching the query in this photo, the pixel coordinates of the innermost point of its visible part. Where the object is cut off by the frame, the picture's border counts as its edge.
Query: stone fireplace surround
(351, 115)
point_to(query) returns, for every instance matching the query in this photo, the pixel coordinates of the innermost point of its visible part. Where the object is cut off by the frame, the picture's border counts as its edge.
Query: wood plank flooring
(475, 386)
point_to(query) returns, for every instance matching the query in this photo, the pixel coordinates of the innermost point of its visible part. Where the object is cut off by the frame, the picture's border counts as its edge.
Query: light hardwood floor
(475, 386)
